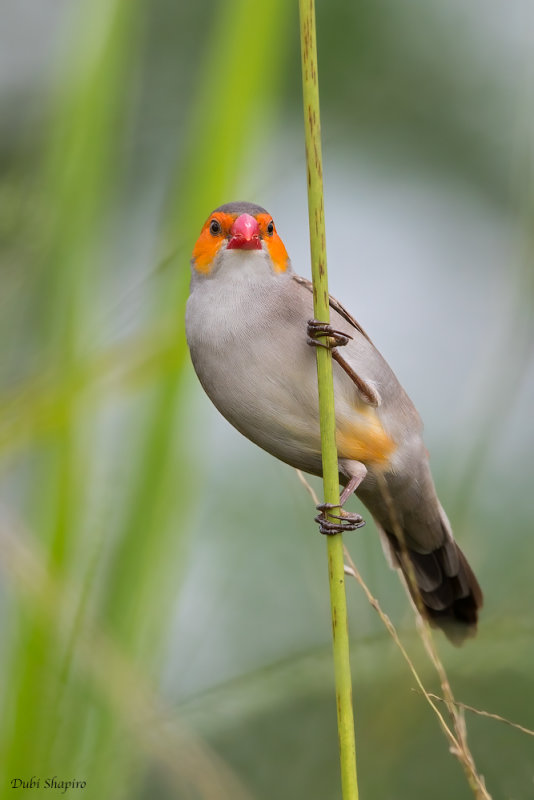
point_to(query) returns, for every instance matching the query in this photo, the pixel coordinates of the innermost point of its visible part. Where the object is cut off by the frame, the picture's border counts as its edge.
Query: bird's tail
(446, 589)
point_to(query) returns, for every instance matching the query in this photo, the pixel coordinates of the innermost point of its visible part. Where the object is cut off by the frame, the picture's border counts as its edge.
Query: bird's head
(243, 228)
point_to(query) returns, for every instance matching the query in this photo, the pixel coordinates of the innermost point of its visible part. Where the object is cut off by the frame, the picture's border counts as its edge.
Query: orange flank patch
(207, 244)
(364, 439)
(275, 245)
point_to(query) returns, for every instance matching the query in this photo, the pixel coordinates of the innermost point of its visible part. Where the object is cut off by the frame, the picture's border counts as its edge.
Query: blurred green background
(165, 616)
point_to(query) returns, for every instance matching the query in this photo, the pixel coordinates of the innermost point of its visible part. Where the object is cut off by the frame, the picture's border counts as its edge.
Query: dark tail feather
(449, 590)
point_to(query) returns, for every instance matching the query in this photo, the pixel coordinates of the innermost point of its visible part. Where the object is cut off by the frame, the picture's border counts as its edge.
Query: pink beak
(245, 234)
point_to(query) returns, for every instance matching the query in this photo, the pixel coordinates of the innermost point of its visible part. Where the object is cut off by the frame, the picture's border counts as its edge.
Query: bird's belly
(265, 385)
(266, 391)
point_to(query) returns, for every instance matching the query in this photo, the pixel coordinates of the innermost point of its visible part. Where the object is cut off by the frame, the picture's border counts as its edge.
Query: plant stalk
(338, 602)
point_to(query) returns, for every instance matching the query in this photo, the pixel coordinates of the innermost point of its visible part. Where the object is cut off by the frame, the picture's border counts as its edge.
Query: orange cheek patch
(278, 252)
(365, 440)
(205, 251)
(275, 245)
(207, 245)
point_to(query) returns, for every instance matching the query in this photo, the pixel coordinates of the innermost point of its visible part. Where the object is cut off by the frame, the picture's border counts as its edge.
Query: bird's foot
(347, 521)
(333, 338)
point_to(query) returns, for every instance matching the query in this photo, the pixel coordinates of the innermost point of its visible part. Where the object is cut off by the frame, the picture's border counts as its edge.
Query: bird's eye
(270, 228)
(215, 227)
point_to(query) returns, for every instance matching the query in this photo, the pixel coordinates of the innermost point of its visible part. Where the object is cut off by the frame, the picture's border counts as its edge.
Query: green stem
(347, 744)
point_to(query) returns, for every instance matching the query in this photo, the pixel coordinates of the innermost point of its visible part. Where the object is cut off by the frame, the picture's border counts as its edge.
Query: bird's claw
(347, 521)
(334, 338)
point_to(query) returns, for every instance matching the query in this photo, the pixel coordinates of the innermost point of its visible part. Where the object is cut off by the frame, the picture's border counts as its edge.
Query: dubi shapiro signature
(48, 783)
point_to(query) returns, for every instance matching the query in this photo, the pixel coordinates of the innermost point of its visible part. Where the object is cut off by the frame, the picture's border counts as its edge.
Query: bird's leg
(347, 521)
(334, 338)
(367, 392)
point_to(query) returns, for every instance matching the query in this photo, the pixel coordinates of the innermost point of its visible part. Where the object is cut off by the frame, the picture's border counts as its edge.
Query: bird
(249, 326)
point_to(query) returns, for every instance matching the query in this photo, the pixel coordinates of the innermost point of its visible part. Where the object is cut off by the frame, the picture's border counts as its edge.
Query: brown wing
(335, 304)
(367, 392)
